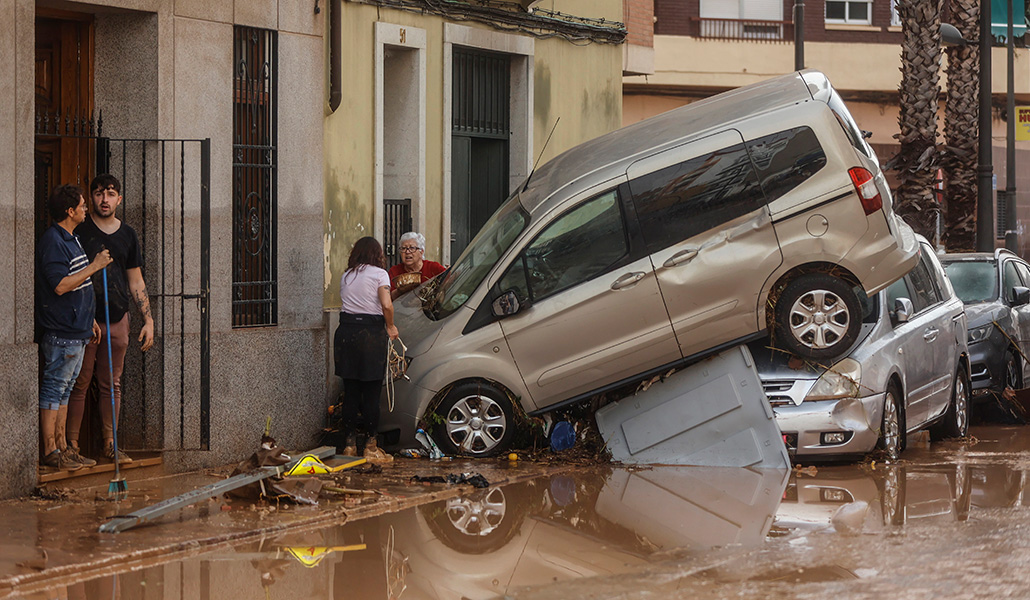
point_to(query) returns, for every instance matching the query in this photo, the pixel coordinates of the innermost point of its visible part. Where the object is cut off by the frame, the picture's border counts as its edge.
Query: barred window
(254, 177)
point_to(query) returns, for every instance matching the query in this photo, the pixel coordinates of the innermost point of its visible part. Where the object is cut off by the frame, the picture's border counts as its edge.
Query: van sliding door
(711, 240)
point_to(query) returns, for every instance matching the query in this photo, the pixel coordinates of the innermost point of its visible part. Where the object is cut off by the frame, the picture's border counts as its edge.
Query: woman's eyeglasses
(411, 250)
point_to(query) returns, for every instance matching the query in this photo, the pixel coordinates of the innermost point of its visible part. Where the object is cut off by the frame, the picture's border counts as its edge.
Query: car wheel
(817, 316)
(892, 427)
(956, 421)
(1013, 371)
(478, 420)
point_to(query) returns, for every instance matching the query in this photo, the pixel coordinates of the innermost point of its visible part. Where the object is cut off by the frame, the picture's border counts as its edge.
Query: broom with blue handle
(117, 486)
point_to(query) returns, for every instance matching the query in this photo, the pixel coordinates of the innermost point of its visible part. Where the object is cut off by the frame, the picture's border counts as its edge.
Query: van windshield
(492, 241)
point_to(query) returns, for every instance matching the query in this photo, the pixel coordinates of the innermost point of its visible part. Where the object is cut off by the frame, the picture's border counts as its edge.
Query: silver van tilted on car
(648, 248)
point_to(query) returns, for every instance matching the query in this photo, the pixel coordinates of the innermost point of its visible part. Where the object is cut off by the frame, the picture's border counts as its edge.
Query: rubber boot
(374, 454)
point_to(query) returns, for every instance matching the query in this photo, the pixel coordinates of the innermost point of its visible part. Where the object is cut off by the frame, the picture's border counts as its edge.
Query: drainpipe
(335, 55)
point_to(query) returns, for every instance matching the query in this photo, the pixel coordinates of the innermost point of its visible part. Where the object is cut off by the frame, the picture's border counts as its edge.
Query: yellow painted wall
(581, 83)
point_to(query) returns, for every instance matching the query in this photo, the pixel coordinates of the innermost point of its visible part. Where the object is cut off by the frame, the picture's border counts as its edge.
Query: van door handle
(627, 280)
(930, 334)
(680, 257)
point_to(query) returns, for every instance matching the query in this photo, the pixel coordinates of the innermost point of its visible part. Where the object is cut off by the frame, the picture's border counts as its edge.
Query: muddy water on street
(949, 521)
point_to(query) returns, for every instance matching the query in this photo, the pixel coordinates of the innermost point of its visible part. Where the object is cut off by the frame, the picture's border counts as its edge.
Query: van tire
(478, 420)
(802, 325)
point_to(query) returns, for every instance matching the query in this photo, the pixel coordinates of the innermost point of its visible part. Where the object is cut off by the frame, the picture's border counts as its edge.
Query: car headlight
(979, 334)
(842, 380)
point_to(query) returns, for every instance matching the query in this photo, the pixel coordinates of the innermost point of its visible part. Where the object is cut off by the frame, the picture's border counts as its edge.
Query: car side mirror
(1020, 296)
(506, 304)
(902, 310)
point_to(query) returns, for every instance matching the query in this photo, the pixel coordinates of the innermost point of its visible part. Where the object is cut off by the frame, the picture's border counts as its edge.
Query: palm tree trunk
(961, 113)
(919, 93)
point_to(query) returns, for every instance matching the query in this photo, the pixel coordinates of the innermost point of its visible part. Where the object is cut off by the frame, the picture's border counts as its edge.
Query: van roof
(592, 162)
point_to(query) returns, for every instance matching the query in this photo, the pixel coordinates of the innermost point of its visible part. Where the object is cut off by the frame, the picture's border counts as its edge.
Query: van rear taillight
(866, 188)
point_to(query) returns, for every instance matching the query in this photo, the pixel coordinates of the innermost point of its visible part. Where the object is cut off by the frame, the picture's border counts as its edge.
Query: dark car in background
(995, 288)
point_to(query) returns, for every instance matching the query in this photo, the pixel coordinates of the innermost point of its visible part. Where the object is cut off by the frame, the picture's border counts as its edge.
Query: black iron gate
(166, 185)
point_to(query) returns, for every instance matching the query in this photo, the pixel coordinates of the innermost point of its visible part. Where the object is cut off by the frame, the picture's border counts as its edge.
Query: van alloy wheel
(478, 420)
(817, 316)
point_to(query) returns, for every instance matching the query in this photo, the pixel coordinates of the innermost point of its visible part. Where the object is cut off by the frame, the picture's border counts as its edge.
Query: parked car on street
(995, 288)
(909, 371)
(650, 248)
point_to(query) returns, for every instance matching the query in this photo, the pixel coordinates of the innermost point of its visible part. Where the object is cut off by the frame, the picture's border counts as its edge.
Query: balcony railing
(741, 29)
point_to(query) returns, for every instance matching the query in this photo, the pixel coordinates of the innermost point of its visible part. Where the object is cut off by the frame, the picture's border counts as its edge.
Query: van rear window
(786, 159)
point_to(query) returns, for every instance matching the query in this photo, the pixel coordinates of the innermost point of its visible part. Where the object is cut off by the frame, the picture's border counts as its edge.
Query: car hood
(417, 331)
(982, 313)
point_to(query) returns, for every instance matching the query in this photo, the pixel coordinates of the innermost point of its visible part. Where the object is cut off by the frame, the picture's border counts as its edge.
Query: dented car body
(650, 248)
(909, 371)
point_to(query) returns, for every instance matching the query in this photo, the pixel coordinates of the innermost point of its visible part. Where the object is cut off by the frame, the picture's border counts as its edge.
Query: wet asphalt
(950, 520)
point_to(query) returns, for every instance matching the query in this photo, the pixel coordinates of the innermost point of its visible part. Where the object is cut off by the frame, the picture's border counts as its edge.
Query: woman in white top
(366, 324)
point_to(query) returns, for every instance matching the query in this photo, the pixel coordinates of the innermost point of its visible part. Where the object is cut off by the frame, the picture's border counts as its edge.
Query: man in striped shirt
(64, 312)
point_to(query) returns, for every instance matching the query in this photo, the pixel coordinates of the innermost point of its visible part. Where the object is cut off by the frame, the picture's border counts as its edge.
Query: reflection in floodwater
(479, 545)
(858, 499)
(627, 522)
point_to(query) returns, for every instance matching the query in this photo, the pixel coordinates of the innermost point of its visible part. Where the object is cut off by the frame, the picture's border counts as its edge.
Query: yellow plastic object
(312, 465)
(310, 556)
(513, 457)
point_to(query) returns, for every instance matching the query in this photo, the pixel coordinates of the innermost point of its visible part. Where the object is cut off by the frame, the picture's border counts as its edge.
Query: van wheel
(818, 316)
(956, 421)
(478, 420)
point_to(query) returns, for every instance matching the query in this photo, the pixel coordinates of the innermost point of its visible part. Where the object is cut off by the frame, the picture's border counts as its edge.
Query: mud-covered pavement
(949, 521)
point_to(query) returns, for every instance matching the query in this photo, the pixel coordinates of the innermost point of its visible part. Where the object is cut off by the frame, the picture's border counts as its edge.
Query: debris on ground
(474, 479)
(38, 563)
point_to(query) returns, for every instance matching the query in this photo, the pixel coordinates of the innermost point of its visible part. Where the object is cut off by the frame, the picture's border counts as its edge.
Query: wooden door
(65, 150)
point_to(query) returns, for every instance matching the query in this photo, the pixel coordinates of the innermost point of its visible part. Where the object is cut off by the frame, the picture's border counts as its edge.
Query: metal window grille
(398, 222)
(255, 177)
(481, 98)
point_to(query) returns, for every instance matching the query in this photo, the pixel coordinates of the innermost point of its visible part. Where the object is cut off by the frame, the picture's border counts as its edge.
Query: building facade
(443, 112)
(256, 141)
(212, 115)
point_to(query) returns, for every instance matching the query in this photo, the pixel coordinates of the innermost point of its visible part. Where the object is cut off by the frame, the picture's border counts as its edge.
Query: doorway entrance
(480, 140)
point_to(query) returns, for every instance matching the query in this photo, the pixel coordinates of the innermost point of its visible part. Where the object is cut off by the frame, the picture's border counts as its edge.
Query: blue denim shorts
(62, 360)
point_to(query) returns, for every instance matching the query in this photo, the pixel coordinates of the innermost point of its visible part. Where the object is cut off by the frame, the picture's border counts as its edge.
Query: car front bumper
(987, 365)
(805, 424)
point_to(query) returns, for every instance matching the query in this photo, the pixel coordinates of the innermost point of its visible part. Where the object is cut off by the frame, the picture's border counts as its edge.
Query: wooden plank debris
(121, 523)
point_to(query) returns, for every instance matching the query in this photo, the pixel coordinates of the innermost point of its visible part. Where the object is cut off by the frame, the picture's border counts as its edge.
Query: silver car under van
(646, 249)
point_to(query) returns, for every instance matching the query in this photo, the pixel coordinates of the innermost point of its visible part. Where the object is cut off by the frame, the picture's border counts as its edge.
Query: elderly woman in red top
(413, 270)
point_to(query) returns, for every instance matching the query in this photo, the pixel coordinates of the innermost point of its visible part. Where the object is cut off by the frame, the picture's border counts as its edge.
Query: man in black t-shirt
(125, 287)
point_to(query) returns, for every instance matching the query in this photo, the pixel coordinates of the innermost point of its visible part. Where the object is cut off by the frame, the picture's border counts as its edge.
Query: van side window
(576, 247)
(698, 195)
(786, 159)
